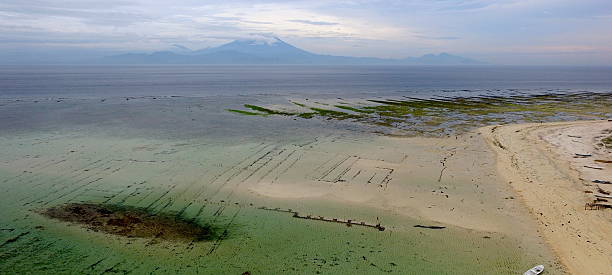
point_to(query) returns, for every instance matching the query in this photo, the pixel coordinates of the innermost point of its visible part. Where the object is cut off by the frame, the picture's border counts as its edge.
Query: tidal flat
(439, 116)
(444, 208)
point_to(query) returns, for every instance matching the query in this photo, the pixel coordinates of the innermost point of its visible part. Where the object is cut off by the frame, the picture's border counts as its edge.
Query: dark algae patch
(441, 116)
(607, 142)
(130, 222)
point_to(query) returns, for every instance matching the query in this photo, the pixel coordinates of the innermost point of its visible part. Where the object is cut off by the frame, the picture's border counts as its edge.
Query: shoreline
(537, 160)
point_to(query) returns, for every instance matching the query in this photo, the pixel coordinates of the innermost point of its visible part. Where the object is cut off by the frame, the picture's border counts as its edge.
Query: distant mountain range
(273, 51)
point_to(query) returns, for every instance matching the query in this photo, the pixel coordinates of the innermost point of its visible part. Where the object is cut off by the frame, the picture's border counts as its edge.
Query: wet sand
(552, 166)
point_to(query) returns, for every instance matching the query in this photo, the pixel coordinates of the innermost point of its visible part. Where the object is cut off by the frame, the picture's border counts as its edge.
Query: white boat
(535, 270)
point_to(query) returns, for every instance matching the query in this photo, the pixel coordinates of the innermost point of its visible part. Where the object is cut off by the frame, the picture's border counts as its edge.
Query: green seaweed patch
(243, 112)
(267, 111)
(354, 109)
(607, 142)
(307, 115)
(456, 113)
(396, 110)
(299, 104)
(334, 114)
(132, 222)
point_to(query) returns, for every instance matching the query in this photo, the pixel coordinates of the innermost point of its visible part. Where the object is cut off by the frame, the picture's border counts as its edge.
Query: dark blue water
(110, 81)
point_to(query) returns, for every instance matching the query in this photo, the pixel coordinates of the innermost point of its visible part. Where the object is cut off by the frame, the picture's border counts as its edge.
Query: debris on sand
(129, 222)
(430, 226)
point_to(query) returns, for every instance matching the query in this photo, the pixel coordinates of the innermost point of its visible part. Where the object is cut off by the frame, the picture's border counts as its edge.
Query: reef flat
(441, 116)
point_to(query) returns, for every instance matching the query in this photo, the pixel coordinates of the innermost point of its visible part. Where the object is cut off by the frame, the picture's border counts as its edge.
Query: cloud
(383, 28)
(316, 23)
(467, 5)
(438, 37)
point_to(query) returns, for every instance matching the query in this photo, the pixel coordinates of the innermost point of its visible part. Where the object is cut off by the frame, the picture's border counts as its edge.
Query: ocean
(109, 81)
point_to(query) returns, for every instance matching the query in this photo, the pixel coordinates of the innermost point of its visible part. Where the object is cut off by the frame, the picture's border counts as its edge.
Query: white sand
(469, 194)
(538, 162)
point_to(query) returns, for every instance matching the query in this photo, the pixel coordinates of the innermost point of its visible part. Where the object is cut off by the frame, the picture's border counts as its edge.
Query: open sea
(109, 81)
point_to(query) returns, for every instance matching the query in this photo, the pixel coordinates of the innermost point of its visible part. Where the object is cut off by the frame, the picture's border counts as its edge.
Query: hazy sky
(497, 31)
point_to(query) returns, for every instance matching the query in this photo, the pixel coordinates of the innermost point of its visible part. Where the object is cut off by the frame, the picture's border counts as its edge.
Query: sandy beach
(553, 167)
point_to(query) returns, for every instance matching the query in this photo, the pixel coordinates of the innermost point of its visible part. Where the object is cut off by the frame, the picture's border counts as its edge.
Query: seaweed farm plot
(355, 170)
(441, 116)
(74, 203)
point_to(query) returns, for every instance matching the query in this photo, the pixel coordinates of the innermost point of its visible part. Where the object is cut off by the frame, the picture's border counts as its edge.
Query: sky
(520, 32)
